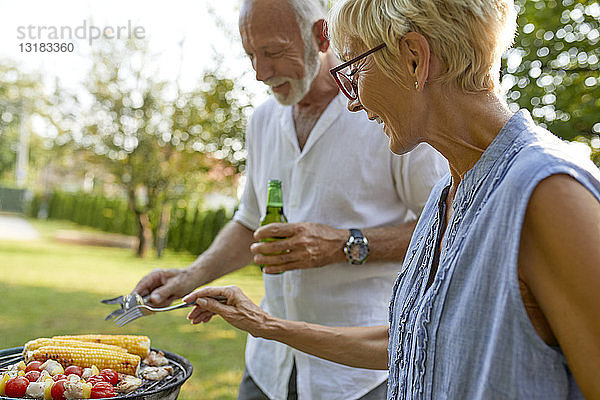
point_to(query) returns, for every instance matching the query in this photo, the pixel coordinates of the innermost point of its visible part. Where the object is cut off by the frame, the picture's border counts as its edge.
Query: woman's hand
(361, 347)
(239, 310)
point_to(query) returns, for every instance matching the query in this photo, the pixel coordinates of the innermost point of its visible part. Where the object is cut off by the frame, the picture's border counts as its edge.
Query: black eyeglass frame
(337, 71)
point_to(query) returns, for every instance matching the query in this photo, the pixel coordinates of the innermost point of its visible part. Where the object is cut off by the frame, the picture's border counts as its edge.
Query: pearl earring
(416, 85)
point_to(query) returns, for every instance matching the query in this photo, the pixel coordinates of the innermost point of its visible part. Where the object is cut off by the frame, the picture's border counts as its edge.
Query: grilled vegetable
(36, 390)
(110, 376)
(16, 387)
(33, 366)
(53, 367)
(135, 344)
(77, 390)
(32, 376)
(3, 381)
(102, 390)
(45, 375)
(58, 390)
(95, 379)
(74, 369)
(121, 362)
(89, 372)
(48, 389)
(41, 342)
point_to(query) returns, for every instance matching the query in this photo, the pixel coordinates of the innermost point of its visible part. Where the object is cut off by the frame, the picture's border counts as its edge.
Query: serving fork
(142, 310)
(125, 303)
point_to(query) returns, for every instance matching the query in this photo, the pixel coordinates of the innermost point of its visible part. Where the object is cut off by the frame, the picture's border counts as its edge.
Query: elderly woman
(498, 295)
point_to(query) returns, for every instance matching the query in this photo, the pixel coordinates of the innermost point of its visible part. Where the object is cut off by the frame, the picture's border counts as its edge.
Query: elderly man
(335, 198)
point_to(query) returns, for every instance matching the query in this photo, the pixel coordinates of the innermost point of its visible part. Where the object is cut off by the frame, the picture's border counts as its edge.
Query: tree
(156, 140)
(21, 96)
(554, 68)
(24, 100)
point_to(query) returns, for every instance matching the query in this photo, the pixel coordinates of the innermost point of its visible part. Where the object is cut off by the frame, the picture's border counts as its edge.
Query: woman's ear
(415, 53)
(319, 31)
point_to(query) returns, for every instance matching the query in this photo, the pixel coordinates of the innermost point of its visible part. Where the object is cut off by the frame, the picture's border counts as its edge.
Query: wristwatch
(357, 247)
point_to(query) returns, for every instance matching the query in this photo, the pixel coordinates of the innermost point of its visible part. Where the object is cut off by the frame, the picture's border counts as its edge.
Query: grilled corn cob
(84, 357)
(41, 342)
(135, 344)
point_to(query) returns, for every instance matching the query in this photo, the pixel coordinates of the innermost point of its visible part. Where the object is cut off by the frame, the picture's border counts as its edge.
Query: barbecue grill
(166, 389)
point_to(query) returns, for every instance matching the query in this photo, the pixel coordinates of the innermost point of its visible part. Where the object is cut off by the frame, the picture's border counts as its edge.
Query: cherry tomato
(110, 376)
(16, 387)
(58, 377)
(33, 366)
(103, 390)
(74, 369)
(58, 390)
(32, 376)
(95, 379)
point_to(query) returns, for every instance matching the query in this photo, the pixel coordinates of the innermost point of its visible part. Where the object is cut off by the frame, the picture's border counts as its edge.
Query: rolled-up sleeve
(248, 213)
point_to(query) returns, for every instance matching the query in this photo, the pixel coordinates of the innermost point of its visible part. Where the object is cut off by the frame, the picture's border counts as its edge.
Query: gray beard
(299, 87)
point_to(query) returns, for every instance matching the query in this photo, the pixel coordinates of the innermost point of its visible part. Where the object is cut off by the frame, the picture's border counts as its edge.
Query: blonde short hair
(468, 36)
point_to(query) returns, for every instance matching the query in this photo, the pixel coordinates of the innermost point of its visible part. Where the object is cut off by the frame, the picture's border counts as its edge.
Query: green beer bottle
(274, 209)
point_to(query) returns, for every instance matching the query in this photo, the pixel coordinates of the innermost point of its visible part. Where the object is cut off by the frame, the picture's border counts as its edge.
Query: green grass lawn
(49, 288)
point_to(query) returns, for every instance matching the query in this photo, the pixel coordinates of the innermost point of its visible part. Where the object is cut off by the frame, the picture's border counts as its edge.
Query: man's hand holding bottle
(302, 245)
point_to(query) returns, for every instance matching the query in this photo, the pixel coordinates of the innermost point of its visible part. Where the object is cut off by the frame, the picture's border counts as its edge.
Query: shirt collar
(329, 115)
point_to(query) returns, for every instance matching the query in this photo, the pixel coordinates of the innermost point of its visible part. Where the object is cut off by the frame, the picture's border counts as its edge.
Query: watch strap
(356, 233)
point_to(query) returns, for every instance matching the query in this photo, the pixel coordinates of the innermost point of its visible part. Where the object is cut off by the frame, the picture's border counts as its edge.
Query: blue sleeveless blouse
(468, 336)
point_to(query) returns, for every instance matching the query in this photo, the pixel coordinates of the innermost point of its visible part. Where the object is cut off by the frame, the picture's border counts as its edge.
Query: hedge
(191, 229)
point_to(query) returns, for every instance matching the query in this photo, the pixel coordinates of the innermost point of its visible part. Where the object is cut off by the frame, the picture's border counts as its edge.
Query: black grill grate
(182, 370)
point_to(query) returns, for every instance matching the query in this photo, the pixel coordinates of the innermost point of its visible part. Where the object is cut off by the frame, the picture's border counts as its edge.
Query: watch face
(358, 251)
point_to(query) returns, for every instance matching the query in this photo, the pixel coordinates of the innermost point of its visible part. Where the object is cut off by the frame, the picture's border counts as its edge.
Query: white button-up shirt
(345, 177)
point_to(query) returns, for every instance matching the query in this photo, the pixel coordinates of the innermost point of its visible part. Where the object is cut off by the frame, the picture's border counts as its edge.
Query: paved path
(13, 227)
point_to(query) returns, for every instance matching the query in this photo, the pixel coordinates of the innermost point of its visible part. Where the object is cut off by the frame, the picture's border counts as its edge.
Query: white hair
(468, 36)
(307, 12)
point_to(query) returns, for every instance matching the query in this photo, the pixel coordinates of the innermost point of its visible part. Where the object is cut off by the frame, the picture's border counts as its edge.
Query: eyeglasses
(345, 79)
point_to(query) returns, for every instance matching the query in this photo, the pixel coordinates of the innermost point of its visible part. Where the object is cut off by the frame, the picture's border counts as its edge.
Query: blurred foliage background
(150, 135)
(133, 154)
(130, 136)
(554, 68)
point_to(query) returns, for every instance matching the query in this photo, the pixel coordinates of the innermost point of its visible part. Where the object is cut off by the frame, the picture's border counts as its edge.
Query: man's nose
(355, 105)
(263, 68)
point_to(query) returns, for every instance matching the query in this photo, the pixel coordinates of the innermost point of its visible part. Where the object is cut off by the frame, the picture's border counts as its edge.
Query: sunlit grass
(49, 288)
